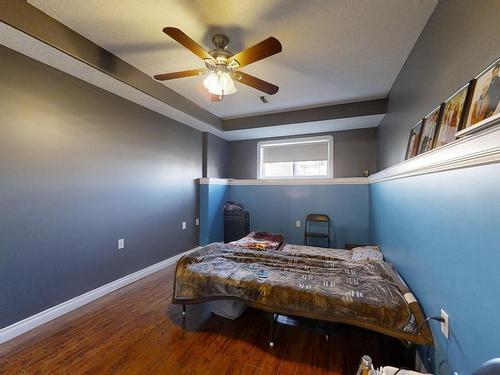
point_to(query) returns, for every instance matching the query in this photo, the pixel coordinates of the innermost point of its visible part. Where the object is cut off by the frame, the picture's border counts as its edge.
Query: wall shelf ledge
(476, 149)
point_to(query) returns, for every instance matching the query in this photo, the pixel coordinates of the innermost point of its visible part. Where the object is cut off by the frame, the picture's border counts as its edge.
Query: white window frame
(262, 144)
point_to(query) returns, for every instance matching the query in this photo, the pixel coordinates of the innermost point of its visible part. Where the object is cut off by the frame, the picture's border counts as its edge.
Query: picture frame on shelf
(484, 107)
(413, 141)
(455, 111)
(429, 130)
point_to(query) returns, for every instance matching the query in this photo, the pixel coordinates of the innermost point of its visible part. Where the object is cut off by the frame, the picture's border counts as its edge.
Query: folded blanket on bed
(324, 253)
(260, 241)
(366, 294)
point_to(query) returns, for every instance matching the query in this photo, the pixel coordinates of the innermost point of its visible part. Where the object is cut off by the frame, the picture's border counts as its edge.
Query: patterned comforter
(366, 294)
(317, 252)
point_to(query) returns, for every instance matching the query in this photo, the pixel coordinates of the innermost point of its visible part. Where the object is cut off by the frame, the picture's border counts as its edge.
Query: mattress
(367, 294)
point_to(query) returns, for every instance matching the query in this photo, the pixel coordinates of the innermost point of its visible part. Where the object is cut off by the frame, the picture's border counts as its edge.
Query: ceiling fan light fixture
(219, 83)
(222, 65)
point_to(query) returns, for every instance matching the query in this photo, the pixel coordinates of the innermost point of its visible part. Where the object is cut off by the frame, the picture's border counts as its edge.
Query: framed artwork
(413, 141)
(486, 95)
(429, 131)
(453, 117)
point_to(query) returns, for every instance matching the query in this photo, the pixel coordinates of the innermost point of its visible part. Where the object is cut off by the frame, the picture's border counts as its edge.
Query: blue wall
(212, 199)
(275, 208)
(442, 231)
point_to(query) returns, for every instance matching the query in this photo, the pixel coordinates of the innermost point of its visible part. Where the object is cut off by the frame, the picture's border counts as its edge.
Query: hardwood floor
(136, 330)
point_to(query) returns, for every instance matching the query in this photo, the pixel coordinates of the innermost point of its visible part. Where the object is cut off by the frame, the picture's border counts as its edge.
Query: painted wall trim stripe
(32, 21)
(54, 312)
(37, 50)
(329, 112)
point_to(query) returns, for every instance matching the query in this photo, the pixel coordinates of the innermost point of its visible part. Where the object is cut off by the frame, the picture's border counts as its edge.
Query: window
(310, 157)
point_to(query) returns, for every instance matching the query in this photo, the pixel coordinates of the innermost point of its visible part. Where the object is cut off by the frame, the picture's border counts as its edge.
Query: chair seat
(318, 218)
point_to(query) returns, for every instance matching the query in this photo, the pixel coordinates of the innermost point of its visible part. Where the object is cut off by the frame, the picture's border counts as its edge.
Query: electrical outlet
(197, 221)
(297, 223)
(445, 326)
(121, 243)
(184, 225)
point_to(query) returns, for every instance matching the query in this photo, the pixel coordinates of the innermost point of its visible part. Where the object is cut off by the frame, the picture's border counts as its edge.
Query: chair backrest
(317, 218)
(491, 367)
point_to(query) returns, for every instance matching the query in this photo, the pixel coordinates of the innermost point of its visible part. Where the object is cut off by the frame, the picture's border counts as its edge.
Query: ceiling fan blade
(256, 83)
(266, 48)
(215, 98)
(187, 42)
(181, 74)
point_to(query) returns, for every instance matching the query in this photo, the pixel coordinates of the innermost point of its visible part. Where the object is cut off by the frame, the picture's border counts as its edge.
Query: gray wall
(79, 169)
(354, 151)
(460, 39)
(215, 156)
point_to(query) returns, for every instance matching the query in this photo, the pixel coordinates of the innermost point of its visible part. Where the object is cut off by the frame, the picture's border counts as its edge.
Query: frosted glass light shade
(219, 83)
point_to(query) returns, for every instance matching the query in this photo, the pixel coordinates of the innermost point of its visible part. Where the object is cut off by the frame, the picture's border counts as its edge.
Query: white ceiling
(333, 51)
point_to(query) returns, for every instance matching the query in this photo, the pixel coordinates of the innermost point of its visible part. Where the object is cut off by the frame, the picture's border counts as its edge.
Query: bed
(323, 284)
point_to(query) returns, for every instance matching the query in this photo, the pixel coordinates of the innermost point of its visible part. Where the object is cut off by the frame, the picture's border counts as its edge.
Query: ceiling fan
(222, 65)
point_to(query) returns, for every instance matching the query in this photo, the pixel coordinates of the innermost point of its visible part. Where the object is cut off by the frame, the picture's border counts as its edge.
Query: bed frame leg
(183, 310)
(271, 334)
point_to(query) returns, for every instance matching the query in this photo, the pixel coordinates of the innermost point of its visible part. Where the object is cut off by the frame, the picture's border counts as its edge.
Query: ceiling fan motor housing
(220, 53)
(220, 41)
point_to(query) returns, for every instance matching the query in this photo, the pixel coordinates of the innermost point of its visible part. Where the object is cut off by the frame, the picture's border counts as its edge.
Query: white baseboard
(45, 316)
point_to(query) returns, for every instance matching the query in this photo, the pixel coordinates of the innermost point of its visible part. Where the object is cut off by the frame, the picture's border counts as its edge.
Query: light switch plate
(121, 243)
(184, 225)
(297, 223)
(197, 221)
(445, 326)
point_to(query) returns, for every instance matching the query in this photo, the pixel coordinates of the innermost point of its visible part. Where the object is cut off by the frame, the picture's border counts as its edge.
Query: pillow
(265, 236)
(367, 253)
(260, 241)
